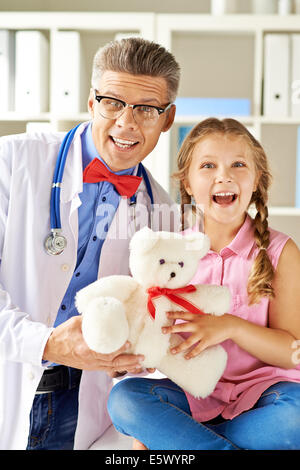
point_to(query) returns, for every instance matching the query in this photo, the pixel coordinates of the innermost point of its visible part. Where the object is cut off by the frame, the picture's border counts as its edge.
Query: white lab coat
(33, 283)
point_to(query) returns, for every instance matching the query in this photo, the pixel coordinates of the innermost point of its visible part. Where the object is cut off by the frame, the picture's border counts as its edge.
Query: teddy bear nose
(173, 274)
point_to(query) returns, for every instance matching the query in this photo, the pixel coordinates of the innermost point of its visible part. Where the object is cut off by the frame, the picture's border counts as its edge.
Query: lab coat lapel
(72, 185)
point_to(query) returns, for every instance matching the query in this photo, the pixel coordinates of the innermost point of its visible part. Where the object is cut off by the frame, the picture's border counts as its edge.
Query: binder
(297, 195)
(39, 127)
(221, 7)
(7, 70)
(31, 93)
(182, 133)
(67, 76)
(276, 75)
(188, 106)
(295, 75)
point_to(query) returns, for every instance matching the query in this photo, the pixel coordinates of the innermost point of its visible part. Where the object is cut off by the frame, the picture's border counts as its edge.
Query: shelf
(244, 119)
(93, 21)
(13, 116)
(278, 120)
(240, 24)
(284, 211)
(290, 211)
(198, 118)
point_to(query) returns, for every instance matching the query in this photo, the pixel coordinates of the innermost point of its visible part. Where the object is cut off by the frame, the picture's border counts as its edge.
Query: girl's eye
(207, 165)
(161, 261)
(181, 263)
(239, 164)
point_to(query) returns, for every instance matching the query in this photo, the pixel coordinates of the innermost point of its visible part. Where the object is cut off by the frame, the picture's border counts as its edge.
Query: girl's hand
(206, 330)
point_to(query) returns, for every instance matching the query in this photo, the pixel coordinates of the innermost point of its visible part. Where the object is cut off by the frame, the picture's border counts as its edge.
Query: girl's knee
(122, 402)
(285, 398)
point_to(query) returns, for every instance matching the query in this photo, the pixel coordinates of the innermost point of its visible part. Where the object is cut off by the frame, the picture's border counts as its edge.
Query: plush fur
(114, 308)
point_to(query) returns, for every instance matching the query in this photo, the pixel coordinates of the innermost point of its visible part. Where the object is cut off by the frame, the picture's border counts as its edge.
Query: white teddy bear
(119, 308)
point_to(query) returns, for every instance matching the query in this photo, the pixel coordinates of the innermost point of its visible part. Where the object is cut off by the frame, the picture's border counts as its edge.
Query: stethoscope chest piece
(55, 243)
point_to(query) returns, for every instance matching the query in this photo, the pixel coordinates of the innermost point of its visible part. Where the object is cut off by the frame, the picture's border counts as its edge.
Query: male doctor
(53, 388)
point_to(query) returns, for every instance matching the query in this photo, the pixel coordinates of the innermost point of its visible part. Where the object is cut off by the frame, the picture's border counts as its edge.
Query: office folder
(276, 75)
(7, 70)
(39, 127)
(67, 72)
(297, 196)
(182, 133)
(295, 75)
(32, 68)
(191, 106)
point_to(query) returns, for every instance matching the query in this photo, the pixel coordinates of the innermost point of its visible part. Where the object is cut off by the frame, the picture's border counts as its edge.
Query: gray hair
(137, 56)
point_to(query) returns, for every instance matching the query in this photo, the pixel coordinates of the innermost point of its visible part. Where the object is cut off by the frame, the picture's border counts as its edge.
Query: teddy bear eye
(161, 261)
(181, 263)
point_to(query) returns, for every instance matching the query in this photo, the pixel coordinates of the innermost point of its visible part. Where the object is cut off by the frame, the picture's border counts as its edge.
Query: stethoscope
(55, 242)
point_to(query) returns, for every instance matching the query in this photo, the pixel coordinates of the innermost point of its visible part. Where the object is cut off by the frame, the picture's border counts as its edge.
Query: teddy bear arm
(212, 299)
(117, 286)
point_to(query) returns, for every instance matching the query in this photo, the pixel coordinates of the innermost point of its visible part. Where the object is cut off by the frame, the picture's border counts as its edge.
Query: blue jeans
(157, 413)
(53, 420)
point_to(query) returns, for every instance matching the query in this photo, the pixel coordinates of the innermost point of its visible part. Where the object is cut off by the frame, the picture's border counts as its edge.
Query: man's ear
(170, 118)
(91, 102)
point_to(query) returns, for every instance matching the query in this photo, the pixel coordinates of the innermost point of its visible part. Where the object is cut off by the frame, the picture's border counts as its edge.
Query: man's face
(121, 142)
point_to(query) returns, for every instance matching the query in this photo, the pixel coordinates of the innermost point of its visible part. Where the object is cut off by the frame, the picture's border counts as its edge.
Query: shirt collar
(89, 152)
(243, 241)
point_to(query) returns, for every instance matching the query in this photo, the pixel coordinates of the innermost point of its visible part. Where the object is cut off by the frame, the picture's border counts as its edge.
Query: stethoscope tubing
(55, 221)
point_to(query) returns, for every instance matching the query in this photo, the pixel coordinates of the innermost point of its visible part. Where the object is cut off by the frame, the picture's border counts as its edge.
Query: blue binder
(213, 106)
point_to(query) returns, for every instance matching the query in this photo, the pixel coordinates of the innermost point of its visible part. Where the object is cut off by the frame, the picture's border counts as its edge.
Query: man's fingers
(127, 360)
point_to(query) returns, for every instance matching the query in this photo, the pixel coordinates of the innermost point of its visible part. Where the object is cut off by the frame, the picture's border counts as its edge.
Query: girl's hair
(262, 272)
(137, 56)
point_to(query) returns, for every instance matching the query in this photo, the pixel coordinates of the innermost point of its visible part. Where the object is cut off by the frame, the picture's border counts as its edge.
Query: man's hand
(66, 346)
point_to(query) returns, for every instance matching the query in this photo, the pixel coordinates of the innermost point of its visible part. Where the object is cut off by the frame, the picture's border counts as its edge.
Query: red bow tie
(172, 295)
(96, 171)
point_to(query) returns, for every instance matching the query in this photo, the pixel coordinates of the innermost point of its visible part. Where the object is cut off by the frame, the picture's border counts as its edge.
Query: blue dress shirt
(93, 224)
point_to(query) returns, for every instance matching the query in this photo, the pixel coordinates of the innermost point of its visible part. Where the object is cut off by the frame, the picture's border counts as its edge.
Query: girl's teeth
(224, 198)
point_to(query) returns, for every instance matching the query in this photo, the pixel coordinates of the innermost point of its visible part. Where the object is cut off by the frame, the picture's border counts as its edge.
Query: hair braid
(262, 272)
(186, 200)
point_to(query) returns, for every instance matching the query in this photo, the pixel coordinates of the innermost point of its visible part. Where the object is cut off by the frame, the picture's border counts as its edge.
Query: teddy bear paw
(104, 325)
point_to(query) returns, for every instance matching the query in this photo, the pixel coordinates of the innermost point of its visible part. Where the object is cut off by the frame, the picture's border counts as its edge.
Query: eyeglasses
(144, 114)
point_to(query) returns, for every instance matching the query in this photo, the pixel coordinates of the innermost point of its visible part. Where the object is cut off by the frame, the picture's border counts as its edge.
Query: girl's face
(222, 178)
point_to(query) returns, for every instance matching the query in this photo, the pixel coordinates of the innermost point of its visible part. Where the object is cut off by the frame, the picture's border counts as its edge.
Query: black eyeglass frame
(159, 109)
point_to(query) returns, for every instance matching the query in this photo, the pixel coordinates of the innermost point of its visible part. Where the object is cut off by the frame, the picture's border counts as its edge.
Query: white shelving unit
(220, 56)
(95, 29)
(223, 56)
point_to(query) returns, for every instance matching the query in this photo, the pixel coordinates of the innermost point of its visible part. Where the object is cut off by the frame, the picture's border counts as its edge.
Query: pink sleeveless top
(245, 377)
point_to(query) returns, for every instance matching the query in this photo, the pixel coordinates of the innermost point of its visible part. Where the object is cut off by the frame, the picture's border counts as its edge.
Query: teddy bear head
(166, 259)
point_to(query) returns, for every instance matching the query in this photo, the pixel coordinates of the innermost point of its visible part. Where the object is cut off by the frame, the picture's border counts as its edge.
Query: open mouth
(224, 198)
(122, 143)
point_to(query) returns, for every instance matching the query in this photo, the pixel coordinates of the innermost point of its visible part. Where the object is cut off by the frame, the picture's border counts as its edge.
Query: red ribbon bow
(155, 292)
(96, 171)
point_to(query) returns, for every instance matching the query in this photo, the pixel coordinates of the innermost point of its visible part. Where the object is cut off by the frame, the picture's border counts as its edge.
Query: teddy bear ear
(197, 241)
(143, 240)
